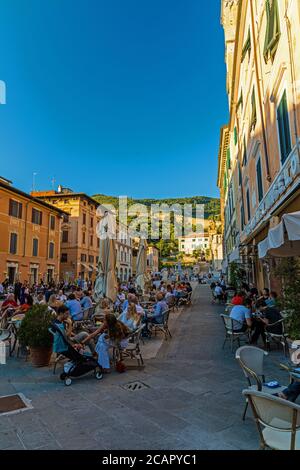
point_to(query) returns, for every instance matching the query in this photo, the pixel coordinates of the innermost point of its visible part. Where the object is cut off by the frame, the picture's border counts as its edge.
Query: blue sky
(112, 96)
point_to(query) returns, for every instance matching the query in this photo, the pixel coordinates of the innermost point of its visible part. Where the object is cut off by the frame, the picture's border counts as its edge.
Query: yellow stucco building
(259, 157)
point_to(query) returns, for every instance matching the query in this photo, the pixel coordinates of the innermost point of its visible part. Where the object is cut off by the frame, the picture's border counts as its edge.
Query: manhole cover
(134, 386)
(13, 403)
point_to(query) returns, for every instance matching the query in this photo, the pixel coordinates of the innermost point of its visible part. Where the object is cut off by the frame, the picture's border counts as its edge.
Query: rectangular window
(83, 238)
(284, 128)
(98, 242)
(235, 135)
(244, 163)
(36, 217)
(52, 222)
(91, 259)
(97, 259)
(247, 46)
(51, 250)
(35, 247)
(92, 222)
(83, 257)
(242, 217)
(64, 258)
(65, 236)
(260, 191)
(13, 243)
(15, 209)
(84, 218)
(248, 205)
(240, 174)
(240, 101)
(272, 29)
(253, 114)
(228, 160)
(91, 240)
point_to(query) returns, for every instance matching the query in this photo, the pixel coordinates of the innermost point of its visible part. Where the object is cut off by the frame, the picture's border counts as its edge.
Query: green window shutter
(247, 46)
(259, 181)
(248, 205)
(235, 136)
(244, 162)
(240, 175)
(253, 113)
(225, 182)
(240, 101)
(284, 128)
(272, 29)
(228, 162)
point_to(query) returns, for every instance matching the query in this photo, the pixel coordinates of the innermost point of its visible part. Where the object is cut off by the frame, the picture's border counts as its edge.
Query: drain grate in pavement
(135, 386)
(13, 404)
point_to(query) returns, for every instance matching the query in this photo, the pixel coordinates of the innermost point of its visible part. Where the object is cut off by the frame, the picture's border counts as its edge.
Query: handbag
(120, 367)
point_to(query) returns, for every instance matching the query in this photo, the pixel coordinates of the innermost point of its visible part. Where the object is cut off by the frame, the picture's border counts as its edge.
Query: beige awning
(283, 240)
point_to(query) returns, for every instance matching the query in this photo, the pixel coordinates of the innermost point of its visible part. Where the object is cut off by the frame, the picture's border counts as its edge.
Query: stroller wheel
(62, 376)
(68, 381)
(98, 374)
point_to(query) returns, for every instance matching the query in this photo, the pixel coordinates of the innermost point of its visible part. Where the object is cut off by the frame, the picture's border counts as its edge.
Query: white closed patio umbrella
(106, 282)
(141, 265)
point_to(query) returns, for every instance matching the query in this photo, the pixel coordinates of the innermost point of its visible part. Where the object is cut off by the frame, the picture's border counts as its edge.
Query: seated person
(28, 303)
(9, 302)
(157, 314)
(111, 332)
(120, 299)
(265, 316)
(74, 307)
(189, 288)
(53, 303)
(218, 292)
(40, 300)
(170, 297)
(272, 301)
(130, 298)
(238, 299)
(130, 317)
(63, 321)
(86, 301)
(61, 296)
(241, 314)
(290, 393)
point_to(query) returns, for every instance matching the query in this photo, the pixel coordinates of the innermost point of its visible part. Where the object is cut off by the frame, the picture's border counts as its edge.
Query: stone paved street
(192, 400)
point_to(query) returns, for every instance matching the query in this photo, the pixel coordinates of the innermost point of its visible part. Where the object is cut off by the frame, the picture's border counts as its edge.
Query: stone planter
(40, 357)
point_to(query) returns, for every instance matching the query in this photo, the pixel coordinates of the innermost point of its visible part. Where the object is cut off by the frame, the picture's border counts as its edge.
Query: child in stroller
(80, 364)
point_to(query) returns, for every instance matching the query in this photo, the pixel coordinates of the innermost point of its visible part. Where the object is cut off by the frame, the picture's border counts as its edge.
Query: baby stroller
(79, 364)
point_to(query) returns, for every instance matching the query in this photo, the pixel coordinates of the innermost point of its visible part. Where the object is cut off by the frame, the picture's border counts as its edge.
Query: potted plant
(288, 271)
(34, 333)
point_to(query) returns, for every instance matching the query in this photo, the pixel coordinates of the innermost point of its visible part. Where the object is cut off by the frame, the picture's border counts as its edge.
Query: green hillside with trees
(169, 248)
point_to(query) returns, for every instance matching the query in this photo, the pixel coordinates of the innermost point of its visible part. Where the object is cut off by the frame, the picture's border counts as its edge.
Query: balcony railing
(283, 181)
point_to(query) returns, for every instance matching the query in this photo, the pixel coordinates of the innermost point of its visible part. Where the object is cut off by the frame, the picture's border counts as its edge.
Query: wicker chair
(277, 420)
(251, 360)
(163, 327)
(231, 334)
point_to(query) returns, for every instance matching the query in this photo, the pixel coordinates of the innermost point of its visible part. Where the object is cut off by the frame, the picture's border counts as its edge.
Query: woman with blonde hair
(53, 303)
(112, 332)
(130, 317)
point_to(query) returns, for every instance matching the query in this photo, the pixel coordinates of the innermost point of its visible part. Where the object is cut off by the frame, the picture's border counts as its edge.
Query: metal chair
(231, 334)
(163, 327)
(277, 420)
(133, 350)
(275, 337)
(172, 303)
(251, 360)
